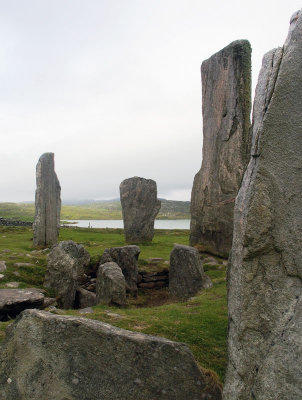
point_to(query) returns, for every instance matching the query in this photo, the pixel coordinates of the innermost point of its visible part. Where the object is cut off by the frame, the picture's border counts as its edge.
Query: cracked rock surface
(226, 104)
(265, 274)
(55, 357)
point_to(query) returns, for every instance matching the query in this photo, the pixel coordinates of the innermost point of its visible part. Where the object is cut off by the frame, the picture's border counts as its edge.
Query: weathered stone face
(140, 207)
(265, 274)
(65, 266)
(111, 285)
(226, 79)
(186, 275)
(54, 357)
(48, 203)
(126, 258)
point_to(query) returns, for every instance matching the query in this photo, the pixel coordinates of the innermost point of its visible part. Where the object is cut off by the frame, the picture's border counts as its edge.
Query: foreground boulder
(226, 105)
(14, 301)
(46, 356)
(111, 285)
(265, 274)
(65, 266)
(140, 207)
(126, 258)
(186, 275)
(48, 203)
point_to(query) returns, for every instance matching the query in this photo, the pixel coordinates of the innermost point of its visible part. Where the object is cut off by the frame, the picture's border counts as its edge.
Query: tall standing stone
(265, 274)
(226, 105)
(48, 203)
(140, 207)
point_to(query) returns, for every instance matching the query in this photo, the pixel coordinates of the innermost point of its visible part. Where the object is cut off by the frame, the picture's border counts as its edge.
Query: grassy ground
(102, 210)
(200, 322)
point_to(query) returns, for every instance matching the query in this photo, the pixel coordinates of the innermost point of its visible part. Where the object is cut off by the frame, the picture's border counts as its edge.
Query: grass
(201, 322)
(90, 211)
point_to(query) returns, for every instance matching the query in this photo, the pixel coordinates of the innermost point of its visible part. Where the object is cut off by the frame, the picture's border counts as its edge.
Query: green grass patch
(201, 322)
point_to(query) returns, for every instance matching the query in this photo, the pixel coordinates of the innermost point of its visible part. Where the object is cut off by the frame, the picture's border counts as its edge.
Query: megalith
(140, 207)
(57, 357)
(226, 105)
(126, 257)
(265, 273)
(186, 274)
(110, 285)
(48, 202)
(65, 266)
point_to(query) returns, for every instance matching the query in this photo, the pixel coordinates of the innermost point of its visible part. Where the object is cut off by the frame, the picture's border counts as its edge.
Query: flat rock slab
(56, 357)
(23, 265)
(13, 301)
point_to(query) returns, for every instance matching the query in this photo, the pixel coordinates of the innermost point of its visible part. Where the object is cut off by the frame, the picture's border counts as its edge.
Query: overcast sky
(112, 87)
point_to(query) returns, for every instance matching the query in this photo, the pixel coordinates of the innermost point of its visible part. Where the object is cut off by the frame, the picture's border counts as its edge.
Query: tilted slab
(55, 357)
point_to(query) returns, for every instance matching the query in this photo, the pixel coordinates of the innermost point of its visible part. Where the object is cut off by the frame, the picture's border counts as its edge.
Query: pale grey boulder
(47, 203)
(265, 272)
(65, 266)
(140, 207)
(226, 105)
(110, 285)
(14, 301)
(2, 266)
(55, 357)
(186, 274)
(126, 258)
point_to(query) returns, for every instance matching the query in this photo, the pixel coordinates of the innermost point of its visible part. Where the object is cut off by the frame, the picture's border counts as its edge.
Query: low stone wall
(10, 222)
(153, 280)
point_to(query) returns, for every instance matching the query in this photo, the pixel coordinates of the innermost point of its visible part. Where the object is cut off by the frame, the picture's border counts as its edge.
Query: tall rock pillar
(265, 273)
(140, 206)
(226, 106)
(48, 203)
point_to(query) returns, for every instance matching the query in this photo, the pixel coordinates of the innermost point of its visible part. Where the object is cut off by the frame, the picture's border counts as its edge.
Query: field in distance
(106, 209)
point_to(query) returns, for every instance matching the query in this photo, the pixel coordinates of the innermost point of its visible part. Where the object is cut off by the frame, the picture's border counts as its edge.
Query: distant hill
(100, 209)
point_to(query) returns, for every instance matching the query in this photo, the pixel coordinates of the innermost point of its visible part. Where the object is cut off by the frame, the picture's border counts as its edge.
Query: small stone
(2, 276)
(86, 310)
(12, 284)
(23, 265)
(2, 266)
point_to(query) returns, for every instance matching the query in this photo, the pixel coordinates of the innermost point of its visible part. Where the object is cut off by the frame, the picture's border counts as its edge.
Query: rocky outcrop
(111, 285)
(14, 301)
(126, 258)
(186, 276)
(265, 274)
(140, 207)
(65, 267)
(48, 203)
(226, 80)
(46, 356)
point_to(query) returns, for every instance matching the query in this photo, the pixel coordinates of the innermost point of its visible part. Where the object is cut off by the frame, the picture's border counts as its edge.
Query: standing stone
(65, 266)
(126, 258)
(48, 203)
(265, 274)
(226, 105)
(140, 207)
(58, 357)
(186, 275)
(111, 285)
